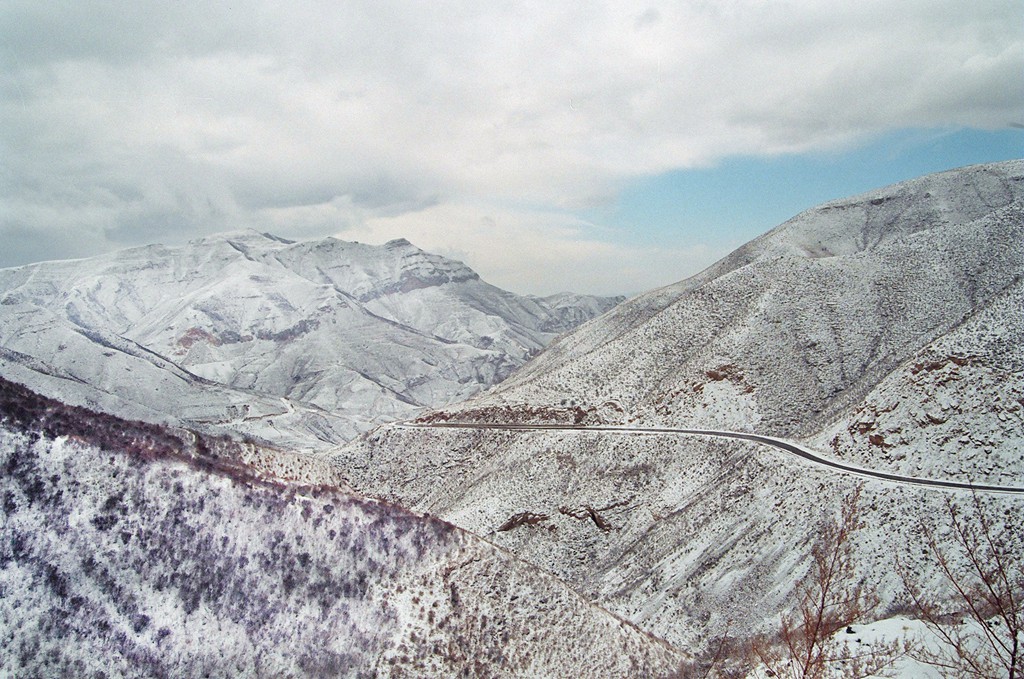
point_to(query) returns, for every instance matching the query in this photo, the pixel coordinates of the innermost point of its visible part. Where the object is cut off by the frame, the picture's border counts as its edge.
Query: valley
(819, 333)
(255, 456)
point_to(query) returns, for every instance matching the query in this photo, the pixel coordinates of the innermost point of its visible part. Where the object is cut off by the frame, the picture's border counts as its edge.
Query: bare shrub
(831, 599)
(978, 619)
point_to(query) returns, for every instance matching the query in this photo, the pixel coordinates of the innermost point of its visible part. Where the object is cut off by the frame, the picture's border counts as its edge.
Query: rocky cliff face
(302, 344)
(882, 329)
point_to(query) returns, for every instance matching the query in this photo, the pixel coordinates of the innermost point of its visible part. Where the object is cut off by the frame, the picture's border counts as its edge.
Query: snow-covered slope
(889, 323)
(795, 327)
(134, 550)
(955, 408)
(304, 344)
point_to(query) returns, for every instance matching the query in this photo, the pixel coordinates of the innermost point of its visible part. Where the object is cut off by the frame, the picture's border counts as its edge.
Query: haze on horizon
(605, 149)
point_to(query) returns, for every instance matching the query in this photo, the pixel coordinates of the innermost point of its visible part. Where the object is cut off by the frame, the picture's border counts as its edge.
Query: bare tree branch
(982, 569)
(831, 599)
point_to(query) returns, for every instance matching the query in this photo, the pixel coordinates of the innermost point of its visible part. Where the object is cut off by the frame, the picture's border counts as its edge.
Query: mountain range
(299, 344)
(881, 331)
(180, 494)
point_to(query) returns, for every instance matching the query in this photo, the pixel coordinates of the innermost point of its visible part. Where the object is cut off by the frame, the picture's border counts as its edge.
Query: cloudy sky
(600, 146)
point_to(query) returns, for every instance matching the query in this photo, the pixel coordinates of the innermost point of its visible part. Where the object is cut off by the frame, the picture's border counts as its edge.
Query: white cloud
(134, 120)
(535, 252)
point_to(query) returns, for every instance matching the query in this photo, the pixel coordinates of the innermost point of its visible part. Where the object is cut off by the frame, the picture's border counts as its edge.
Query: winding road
(780, 444)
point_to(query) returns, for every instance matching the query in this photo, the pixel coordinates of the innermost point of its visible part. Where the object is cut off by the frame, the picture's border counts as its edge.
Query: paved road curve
(781, 444)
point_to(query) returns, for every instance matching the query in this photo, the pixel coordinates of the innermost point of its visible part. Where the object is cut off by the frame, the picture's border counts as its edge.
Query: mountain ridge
(856, 354)
(302, 343)
(732, 288)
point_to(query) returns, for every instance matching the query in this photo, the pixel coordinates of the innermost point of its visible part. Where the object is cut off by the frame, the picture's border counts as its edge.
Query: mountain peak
(279, 239)
(882, 216)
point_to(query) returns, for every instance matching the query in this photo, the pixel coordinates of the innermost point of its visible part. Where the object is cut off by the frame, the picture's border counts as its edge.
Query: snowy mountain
(137, 550)
(301, 344)
(882, 330)
(796, 326)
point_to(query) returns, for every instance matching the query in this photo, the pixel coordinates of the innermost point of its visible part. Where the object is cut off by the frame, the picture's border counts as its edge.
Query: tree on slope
(981, 566)
(831, 599)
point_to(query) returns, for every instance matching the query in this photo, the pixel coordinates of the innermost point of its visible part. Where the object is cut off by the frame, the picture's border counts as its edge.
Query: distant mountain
(303, 344)
(883, 330)
(136, 550)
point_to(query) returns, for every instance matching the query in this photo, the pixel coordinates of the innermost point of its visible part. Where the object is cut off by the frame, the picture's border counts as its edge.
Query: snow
(214, 332)
(954, 409)
(797, 335)
(144, 567)
(883, 329)
(810, 334)
(898, 629)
